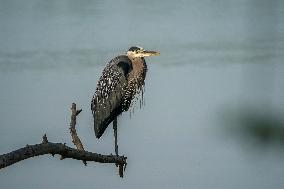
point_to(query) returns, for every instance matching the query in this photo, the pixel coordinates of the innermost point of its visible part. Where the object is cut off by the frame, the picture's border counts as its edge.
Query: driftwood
(46, 147)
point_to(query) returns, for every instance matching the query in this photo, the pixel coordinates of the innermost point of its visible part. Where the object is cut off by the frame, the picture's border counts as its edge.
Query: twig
(56, 148)
(75, 139)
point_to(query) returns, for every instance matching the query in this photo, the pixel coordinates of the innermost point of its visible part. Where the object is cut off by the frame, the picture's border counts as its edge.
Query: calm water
(214, 98)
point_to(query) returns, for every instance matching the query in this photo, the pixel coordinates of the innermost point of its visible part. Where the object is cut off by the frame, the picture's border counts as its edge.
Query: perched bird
(122, 79)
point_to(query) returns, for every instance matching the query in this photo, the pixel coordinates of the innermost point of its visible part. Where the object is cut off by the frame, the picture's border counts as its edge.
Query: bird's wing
(108, 98)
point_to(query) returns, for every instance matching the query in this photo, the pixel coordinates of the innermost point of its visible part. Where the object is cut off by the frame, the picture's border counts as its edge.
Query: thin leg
(115, 135)
(116, 146)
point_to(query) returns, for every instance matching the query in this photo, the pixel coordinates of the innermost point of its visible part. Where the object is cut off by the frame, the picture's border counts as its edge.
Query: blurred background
(214, 113)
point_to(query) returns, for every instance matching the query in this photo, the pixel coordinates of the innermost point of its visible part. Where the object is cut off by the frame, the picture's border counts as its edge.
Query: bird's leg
(115, 135)
(115, 141)
(120, 167)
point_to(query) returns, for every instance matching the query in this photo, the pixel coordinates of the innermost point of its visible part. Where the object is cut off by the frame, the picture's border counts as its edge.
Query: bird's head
(139, 52)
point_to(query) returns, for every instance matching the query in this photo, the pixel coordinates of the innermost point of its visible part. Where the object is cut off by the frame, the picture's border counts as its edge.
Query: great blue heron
(121, 80)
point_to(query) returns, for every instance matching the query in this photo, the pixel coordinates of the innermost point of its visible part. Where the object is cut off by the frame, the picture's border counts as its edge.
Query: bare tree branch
(56, 148)
(75, 139)
(47, 147)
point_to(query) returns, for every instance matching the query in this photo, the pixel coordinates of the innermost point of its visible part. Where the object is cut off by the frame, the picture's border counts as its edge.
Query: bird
(121, 81)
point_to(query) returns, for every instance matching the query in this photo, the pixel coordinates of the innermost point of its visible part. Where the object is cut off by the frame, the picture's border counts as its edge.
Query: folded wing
(107, 102)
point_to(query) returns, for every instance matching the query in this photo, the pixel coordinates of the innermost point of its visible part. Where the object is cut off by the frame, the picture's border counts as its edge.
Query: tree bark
(47, 147)
(75, 139)
(56, 148)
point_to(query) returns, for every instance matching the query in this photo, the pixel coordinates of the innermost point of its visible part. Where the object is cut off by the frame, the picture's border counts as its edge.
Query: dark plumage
(121, 80)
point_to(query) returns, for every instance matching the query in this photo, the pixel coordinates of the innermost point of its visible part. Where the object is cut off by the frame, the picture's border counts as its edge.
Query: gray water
(214, 97)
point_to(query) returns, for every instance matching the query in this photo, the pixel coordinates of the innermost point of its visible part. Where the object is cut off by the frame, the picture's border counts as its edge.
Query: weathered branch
(75, 139)
(47, 147)
(56, 148)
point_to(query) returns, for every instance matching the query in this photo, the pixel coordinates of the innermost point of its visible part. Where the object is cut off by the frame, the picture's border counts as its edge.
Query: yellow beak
(150, 53)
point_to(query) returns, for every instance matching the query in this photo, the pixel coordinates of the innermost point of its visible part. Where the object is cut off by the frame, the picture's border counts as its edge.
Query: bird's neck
(138, 65)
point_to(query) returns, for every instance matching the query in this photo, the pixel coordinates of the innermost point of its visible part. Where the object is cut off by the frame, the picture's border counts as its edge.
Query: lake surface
(214, 98)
